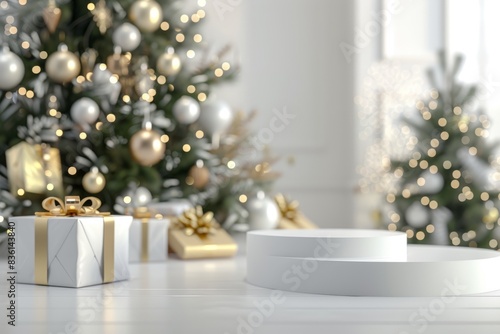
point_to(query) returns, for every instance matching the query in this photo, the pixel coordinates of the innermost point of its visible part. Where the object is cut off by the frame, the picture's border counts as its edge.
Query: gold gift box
(299, 222)
(34, 169)
(218, 244)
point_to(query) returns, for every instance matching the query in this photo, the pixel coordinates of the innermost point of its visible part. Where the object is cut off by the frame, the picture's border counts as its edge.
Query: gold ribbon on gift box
(144, 215)
(195, 234)
(70, 207)
(292, 218)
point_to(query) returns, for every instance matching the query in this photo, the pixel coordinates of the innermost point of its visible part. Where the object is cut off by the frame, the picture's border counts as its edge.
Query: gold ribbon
(72, 206)
(288, 209)
(194, 222)
(144, 215)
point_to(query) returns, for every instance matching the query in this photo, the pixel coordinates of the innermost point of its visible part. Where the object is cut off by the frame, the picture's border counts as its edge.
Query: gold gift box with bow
(291, 217)
(196, 235)
(34, 169)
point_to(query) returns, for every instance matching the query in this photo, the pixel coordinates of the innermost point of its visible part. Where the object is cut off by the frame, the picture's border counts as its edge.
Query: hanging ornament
(215, 119)
(263, 212)
(147, 15)
(93, 182)
(186, 110)
(146, 147)
(85, 111)
(51, 16)
(62, 66)
(433, 183)
(102, 16)
(143, 80)
(417, 215)
(198, 175)
(11, 68)
(127, 37)
(88, 59)
(117, 63)
(168, 63)
(141, 197)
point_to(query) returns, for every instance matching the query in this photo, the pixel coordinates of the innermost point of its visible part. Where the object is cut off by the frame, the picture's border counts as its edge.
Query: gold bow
(288, 209)
(72, 206)
(194, 221)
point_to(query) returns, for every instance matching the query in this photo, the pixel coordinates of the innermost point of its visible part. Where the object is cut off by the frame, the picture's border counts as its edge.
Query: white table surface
(211, 296)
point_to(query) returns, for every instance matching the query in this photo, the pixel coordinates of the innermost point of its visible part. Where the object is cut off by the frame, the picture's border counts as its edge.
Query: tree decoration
(52, 16)
(102, 16)
(146, 147)
(94, 181)
(12, 69)
(127, 37)
(63, 65)
(186, 110)
(147, 15)
(168, 63)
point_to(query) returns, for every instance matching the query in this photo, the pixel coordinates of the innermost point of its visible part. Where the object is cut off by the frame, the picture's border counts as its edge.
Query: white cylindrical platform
(373, 245)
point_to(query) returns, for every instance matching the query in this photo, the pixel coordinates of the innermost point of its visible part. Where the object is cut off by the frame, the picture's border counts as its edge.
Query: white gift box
(171, 208)
(156, 240)
(75, 250)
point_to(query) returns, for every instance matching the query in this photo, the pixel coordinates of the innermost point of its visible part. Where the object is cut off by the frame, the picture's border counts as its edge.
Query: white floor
(211, 296)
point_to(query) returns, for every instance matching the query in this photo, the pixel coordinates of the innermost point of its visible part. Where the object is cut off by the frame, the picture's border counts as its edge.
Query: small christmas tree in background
(111, 98)
(449, 176)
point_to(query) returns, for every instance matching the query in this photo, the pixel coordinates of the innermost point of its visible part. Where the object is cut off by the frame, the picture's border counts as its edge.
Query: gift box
(34, 169)
(171, 208)
(291, 217)
(148, 238)
(71, 248)
(195, 235)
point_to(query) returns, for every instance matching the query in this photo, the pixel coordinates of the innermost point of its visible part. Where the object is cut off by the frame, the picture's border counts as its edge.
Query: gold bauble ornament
(62, 66)
(93, 182)
(199, 176)
(146, 147)
(147, 15)
(168, 63)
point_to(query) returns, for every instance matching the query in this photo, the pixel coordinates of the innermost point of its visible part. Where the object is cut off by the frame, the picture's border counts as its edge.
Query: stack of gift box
(73, 244)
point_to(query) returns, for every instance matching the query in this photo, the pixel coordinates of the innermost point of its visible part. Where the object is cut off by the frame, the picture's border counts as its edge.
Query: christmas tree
(448, 180)
(112, 98)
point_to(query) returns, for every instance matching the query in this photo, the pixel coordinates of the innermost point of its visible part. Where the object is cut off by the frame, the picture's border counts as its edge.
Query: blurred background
(347, 71)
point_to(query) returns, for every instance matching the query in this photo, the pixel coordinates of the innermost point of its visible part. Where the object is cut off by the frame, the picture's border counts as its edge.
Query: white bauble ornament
(101, 75)
(85, 111)
(168, 63)
(62, 66)
(215, 117)
(417, 215)
(433, 183)
(141, 197)
(11, 68)
(263, 212)
(94, 182)
(186, 110)
(127, 37)
(147, 15)
(146, 147)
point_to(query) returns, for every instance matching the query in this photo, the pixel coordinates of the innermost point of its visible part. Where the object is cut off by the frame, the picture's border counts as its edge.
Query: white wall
(291, 60)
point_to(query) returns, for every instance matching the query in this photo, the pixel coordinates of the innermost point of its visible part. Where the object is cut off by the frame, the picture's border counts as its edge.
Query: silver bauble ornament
(127, 37)
(93, 182)
(141, 197)
(146, 147)
(263, 212)
(186, 110)
(215, 117)
(147, 15)
(62, 66)
(101, 75)
(168, 63)
(433, 183)
(11, 68)
(85, 111)
(417, 215)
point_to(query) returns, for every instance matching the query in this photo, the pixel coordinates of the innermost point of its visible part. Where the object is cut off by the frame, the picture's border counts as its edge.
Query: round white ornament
(263, 212)
(127, 37)
(85, 111)
(186, 110)
(215, 117)
(62, 66)
(12, 69)
(417, 215)
(142, 197)
(147, 15)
